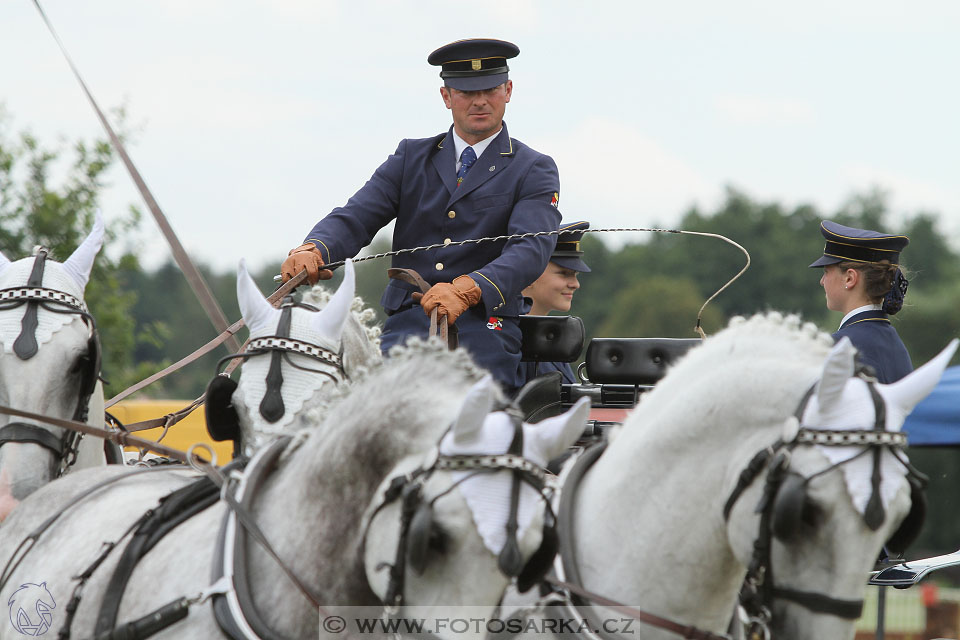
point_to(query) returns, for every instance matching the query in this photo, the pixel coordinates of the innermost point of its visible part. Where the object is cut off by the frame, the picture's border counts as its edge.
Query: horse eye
(811, 515)
(439, 540)
(78, 364)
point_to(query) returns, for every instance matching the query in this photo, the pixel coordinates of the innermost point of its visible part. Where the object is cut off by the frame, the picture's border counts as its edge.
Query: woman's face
(834, 288)
(553, 291)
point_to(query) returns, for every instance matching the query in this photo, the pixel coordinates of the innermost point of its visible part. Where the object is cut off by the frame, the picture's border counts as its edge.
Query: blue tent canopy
(936, 420)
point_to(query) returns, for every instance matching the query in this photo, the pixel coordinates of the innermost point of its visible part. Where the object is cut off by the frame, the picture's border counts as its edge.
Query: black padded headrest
(551, 338)
(633, 360)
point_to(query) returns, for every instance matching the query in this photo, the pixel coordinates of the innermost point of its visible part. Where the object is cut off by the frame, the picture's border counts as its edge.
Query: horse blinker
(223, 423)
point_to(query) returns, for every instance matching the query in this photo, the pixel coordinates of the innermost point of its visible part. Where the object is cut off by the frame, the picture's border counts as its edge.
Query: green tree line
(644, 285)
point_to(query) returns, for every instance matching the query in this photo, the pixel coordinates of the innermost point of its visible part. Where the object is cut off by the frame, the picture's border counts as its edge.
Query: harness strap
(683, 630)
(819, 603)
(152, 623)
(748, 475)
(23, 432)
(25, 345)
(233, 604)
(119, 437)
(82, 577)
(568, 560)
(175, 509)
(27, 544)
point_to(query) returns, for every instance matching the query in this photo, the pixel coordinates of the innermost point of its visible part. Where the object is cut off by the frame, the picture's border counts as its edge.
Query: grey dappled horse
(646, 524)
(49, 365)
(309, 502)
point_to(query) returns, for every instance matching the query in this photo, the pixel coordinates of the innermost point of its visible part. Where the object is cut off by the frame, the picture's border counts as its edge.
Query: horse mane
(745, 359)
(395, 410)
(364, 317)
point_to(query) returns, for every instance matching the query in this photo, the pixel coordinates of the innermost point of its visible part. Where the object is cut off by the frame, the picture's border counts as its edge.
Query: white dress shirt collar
(459, 144)
(866, 307)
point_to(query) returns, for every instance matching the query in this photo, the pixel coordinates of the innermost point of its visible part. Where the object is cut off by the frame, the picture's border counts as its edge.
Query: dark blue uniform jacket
(879, 344)
(535, 369)
(510, 189)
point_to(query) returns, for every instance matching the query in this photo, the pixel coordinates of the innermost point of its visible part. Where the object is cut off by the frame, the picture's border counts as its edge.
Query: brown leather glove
(450, 298)
(308, 257)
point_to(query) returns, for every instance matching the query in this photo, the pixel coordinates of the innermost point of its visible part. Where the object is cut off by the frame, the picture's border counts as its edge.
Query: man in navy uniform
(474, 181)
(862, 279)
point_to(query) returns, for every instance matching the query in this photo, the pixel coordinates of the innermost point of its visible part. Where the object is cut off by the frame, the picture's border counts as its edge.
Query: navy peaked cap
(846, 244)
(474, 65)
(568, 253)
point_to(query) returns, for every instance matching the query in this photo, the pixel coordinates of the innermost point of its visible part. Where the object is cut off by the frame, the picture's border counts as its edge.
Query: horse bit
(34, 295)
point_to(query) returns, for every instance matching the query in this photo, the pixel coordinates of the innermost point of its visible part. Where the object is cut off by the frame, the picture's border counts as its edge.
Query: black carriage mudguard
(636, 361)
(551, 338)
(540, 398)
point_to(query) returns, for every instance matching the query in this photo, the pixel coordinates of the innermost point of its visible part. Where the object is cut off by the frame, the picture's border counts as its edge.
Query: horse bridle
(785, 485)
(34, 295)
(416, 514)
(222, 419)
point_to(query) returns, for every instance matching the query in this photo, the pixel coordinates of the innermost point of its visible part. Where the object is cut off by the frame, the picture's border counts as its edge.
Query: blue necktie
(467, 158)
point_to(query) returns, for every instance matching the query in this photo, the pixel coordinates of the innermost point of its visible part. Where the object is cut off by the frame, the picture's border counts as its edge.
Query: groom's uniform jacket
(510, 189)
(878, 343)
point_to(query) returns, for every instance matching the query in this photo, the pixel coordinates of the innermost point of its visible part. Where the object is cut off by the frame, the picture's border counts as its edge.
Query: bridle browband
(416, 509)
(35, 295)
(759, 591)
(278, 346)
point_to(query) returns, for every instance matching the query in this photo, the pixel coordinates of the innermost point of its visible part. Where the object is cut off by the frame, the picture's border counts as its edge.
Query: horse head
(49, 362)
(837, 490)
(453, 528)
(297, 353)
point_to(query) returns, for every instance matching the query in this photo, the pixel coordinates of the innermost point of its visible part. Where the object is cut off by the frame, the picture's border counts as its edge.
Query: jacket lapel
(495, 159)
(445, 163)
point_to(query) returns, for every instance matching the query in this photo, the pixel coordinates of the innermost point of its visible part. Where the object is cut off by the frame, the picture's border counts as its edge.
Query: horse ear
(837, 370)
(256, 311)
(549, 438)
(329, 322)
(908, 391)
(4, 261)
(80, 262)
(474, 410)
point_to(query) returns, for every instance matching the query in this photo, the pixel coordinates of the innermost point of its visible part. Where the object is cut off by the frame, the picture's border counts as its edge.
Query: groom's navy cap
(846, 244)
(568, 253)
(474, 65)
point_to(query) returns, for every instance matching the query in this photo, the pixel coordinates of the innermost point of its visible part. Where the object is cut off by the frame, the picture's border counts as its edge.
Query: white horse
(647, 524)
(305, 383)
(309, 503)
(49, 364)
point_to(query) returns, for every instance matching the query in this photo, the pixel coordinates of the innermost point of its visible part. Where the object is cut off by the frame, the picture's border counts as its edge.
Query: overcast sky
(255, 117)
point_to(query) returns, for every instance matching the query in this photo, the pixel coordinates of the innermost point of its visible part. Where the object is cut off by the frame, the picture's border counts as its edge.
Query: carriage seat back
(551, 338)
(634, 361)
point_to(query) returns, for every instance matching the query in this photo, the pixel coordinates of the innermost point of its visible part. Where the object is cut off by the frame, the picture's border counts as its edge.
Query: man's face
(477, 114)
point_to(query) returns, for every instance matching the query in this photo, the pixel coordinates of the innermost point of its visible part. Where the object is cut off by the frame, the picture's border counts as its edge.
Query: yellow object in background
(182, 435)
